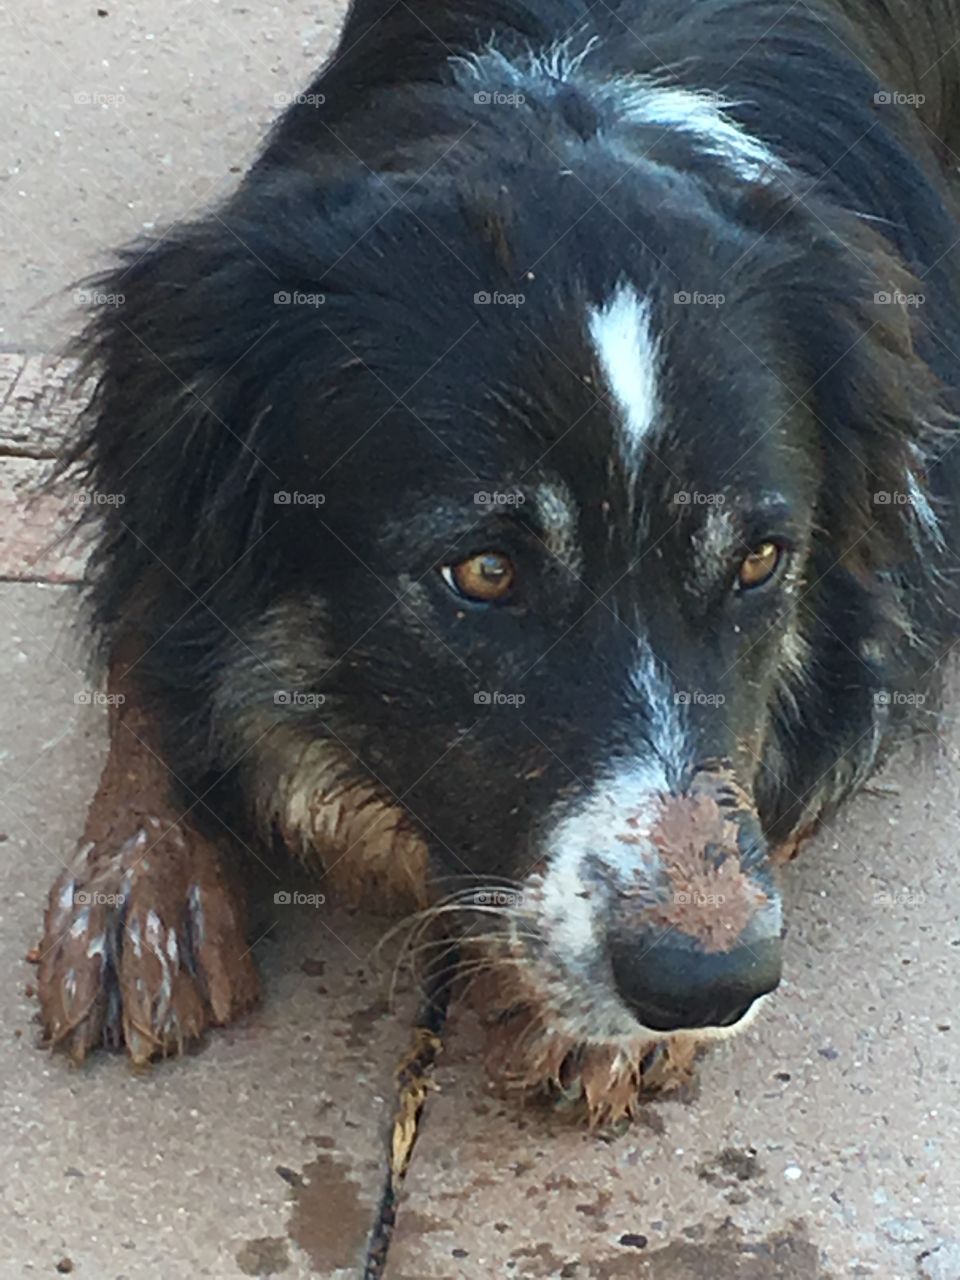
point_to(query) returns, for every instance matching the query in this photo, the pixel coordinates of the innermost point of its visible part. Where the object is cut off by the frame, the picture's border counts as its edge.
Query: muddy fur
(449, 329)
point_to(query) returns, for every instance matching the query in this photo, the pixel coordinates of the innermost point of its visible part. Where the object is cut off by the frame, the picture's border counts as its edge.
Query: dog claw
(653, 1063)
(567, 1091)
(76, 1005)
(143, 947)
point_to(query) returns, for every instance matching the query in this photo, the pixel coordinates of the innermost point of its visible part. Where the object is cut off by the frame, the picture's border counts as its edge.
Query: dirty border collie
(530, 498)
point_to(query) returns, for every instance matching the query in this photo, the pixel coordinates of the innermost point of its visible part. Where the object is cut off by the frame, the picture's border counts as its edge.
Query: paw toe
(76, 983)
(149, 957)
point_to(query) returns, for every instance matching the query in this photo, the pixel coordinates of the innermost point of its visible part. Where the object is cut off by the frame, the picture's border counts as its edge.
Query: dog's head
(573, 447)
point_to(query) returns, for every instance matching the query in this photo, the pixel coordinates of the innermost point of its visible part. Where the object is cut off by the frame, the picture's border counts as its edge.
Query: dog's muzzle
(698, 943)
(676, 901)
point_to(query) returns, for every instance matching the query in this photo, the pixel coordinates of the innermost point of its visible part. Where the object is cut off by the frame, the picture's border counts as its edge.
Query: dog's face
(577, 496)
(573, 499)
(564, 567)
(595, 623)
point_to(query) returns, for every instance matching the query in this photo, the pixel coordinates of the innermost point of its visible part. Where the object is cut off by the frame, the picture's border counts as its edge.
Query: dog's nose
(670, 986)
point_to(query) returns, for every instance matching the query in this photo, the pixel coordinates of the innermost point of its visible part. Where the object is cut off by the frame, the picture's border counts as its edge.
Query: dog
(531, 497)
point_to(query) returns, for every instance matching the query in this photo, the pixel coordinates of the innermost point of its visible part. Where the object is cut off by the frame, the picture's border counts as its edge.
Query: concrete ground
(820, 1144)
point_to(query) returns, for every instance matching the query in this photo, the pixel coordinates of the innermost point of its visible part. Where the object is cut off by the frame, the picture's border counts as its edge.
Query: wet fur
(211, 398)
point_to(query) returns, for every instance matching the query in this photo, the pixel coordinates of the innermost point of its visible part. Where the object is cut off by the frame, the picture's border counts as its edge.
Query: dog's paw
(605, 1084)
(608, 1085)
(144, 943)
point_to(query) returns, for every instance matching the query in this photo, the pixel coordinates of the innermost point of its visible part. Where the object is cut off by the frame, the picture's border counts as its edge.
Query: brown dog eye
(760, 565)
(485, 578)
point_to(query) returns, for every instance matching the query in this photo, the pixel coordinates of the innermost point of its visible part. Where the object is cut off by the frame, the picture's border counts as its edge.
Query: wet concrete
(820, 1144)
(264, 1153)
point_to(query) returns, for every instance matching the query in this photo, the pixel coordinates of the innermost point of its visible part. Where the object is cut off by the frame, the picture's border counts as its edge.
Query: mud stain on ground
(730, 1165)
(266, 1256)
(331, 1221)
(789, 1254)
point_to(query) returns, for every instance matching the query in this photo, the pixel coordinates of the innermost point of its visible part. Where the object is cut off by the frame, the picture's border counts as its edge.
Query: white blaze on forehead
(628, 353)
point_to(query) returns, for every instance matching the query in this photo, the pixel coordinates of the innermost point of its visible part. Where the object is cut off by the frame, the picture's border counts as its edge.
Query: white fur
(65, 901)
(702, 115)
(669, 738)
(492, 69)
(79, 926)
(558, 512)
(631, 789)
(629, 356)
(925, 514)
(133, 937)
(196, 912)
(636, 100)
(97, 946)
(714, 542)
(569, 905)
(154, 940)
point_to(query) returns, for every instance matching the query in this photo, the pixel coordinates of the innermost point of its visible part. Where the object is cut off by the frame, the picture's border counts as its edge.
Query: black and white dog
(538, 502)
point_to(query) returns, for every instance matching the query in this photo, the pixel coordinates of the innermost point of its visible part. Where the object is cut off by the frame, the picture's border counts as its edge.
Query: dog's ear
(180, 344)
(198, 348)
(851, 310)
(882, 411)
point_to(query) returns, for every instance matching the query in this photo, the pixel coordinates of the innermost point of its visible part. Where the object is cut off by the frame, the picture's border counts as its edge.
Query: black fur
(398, 198)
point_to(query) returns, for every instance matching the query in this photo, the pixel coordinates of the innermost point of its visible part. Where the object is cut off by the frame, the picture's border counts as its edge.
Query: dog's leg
(144, 935)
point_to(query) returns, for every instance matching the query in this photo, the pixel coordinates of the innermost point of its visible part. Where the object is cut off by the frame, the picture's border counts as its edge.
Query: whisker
(423, 952)
(407, 959)
(421, 918)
